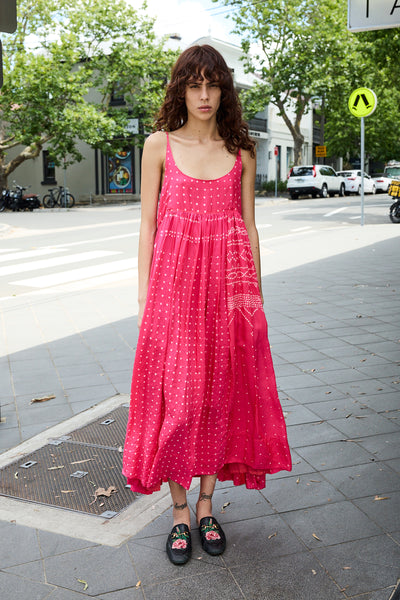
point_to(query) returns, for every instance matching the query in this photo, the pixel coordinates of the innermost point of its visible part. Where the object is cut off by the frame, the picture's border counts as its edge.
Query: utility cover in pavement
(80, 471)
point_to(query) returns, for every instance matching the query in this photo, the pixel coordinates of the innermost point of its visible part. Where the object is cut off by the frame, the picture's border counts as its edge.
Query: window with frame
(49, 168)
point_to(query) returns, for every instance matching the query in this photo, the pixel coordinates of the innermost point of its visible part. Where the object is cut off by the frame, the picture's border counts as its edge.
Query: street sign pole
(362, 103)
(362, 168)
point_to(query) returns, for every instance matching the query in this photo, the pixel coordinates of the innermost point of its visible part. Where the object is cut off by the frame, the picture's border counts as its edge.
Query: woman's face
(202, 98)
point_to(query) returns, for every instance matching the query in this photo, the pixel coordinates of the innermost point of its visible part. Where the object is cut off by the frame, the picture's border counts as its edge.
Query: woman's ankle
(203, 507)
(181, 514)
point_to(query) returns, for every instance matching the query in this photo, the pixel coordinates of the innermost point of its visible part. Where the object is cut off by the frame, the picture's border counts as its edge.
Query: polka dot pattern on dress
(204, 397)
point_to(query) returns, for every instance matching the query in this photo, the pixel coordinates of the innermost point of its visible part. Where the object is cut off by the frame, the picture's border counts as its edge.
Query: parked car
(352, 180)
(317, 180)
(382, 182)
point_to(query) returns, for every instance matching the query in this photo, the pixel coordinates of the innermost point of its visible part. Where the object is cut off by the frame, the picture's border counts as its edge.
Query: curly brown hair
(197, 63)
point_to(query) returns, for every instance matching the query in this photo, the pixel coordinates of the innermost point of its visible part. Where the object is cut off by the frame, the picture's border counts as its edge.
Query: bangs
(202, 62)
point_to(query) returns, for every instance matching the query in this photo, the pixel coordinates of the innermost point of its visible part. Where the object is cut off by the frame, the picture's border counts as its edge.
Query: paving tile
(13, 587)
(317, 394)
(394, 464)
(332, 524)
(383, 447)
(52, 544)
(365, 387)
(364, 480)
(303, 380)
(386, 513)
(374, 564)
(243, 504)
(293, 493)
(22, 546)
(44, 412)
(127, 594)
(153, 566)
(33, 570)
(104, 569)
(9, 438)
(60, 594)
(297, 577)
(341, 376)
(298, 414)
(214, 585)
(312, 433)
(334, 455)
(382, 402)
(259, 539)
(384, 594)
(364, 425)
(334, 409)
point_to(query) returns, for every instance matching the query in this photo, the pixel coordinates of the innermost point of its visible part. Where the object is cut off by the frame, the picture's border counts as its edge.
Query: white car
(317, 180)
(352, 180)
(382, 182)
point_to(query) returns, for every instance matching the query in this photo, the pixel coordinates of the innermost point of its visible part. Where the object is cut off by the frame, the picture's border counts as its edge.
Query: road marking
(9, 249)
(76, 286)
(291, 210)
(28, 254)
(96, 240)
(301, 228)
(55, 262)
(358, 217)
(264, 226)
(337, 210)
(75, 274)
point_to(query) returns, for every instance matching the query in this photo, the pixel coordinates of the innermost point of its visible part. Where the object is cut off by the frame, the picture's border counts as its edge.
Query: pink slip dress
(204, 397)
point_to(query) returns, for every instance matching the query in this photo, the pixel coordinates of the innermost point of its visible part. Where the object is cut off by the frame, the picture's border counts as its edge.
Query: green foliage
(269, 186)
(61, 68)
(297, 49)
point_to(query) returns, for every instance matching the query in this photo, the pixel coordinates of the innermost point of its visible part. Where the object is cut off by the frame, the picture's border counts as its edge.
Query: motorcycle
(394, 192)
(16, 200)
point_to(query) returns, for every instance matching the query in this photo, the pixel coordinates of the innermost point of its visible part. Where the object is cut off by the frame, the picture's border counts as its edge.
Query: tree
(376, 66)
(61, 50)
(299, 50)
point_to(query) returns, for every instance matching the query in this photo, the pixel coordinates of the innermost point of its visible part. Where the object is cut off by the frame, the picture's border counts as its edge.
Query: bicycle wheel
(48, 201)
(70, 201)
(66, 200)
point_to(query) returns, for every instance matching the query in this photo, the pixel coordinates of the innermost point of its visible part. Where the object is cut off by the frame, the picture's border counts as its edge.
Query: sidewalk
(328, 530)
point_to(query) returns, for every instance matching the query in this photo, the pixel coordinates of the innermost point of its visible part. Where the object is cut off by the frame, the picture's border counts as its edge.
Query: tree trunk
(3, 176)
(294, 128)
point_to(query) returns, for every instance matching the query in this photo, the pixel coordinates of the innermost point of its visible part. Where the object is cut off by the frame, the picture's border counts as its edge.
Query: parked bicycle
(59, 196)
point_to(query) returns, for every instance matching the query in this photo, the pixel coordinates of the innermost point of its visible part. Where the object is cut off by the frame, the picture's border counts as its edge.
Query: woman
(204, 400)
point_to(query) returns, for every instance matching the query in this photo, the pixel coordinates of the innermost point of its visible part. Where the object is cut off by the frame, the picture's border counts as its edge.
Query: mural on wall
(120, 173)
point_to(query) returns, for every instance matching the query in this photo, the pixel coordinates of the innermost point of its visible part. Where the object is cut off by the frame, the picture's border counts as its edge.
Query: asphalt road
(58, 251)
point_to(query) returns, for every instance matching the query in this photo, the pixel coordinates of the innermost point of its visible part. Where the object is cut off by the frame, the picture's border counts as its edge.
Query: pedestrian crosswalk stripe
(75, 274)
(30, 254)
(55, 262)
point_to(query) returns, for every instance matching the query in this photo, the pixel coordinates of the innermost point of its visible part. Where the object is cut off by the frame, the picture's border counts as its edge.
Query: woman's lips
(204, 108)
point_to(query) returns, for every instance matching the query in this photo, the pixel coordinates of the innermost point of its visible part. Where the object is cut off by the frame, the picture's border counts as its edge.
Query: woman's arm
(152, 170)
(248, 209)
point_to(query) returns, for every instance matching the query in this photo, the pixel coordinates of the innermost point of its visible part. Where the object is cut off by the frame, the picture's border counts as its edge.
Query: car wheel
(324, 191)
(373, 191)
(341, 191)
(359, 190)
(293, 196)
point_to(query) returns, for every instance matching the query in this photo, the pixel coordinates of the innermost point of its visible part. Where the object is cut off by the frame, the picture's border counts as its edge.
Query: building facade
(118, 177)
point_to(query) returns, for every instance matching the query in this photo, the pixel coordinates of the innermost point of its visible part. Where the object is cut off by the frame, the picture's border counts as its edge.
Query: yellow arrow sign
(362, 102)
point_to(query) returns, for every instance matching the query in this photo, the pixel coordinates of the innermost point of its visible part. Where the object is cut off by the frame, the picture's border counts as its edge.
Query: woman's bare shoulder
(156, 144)
(247, 158)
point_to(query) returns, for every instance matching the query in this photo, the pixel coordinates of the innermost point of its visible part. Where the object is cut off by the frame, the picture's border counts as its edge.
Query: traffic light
(8, 24)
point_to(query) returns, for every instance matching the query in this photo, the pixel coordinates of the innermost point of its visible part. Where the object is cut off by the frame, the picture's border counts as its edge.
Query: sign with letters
(364, 15)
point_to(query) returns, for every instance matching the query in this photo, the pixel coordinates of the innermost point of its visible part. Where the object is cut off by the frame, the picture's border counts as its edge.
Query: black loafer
(212, 536)
(179, 544)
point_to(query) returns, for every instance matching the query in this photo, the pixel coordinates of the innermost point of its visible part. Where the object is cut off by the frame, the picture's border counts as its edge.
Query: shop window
(49, 169)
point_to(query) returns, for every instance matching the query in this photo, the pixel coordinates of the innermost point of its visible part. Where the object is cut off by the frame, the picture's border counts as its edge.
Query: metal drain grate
(67, 472)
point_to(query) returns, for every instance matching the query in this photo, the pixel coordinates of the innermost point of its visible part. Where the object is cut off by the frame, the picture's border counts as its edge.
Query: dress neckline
(197, 178)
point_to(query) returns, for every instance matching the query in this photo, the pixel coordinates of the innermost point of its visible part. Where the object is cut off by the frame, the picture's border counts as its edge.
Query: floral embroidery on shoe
(210, 531)
(212, 535)
(180, 542)
(179, 545)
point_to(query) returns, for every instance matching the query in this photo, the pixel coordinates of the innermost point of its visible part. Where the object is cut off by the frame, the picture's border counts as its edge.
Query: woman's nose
(204, 92)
